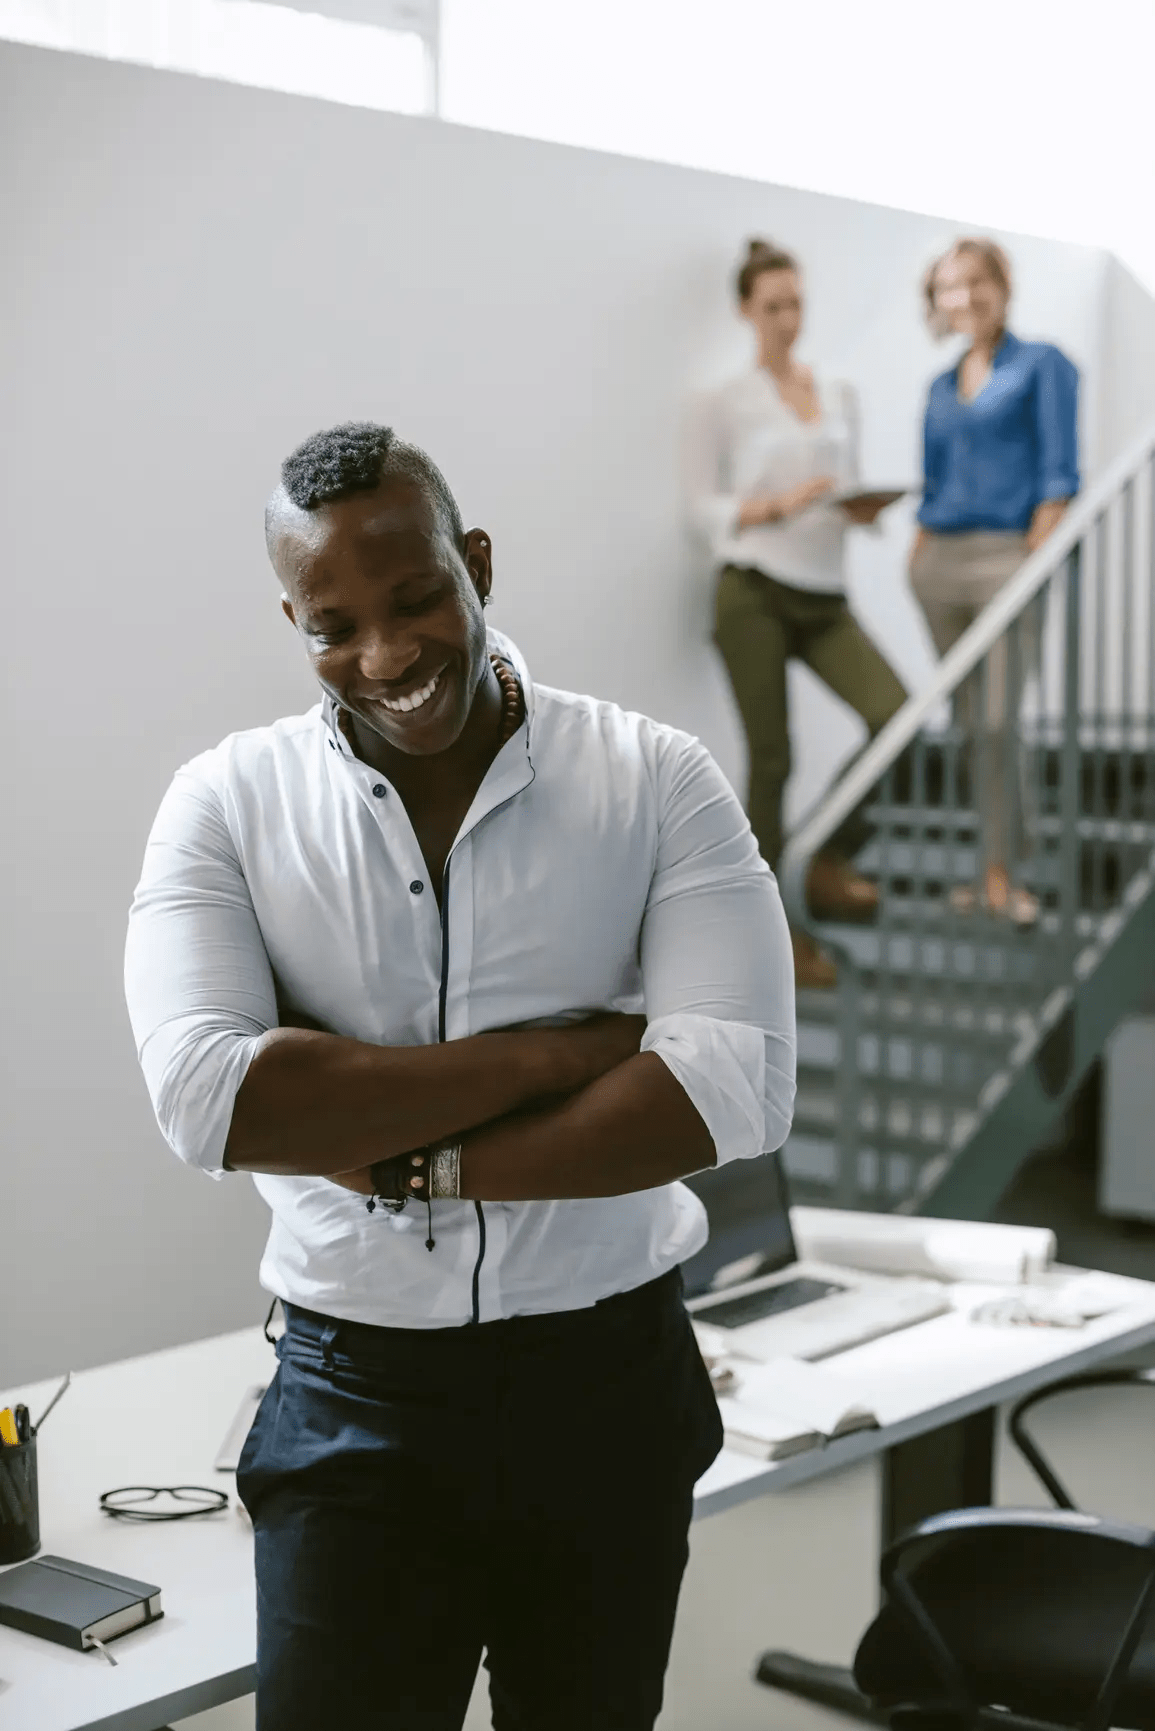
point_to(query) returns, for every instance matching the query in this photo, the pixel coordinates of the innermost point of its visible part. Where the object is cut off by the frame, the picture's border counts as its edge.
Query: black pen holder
(19, 1502)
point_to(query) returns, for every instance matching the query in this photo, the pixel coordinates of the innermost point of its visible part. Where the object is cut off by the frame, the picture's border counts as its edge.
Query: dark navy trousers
(521, 1488)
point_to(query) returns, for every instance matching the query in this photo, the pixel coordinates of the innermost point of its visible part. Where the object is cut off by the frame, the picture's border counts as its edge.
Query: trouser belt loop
(329, 1345)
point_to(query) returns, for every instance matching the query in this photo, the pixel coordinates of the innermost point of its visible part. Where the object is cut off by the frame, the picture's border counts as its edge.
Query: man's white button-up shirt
(604, 864)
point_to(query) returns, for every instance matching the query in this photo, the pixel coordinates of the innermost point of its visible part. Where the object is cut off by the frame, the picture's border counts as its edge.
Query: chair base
(826, 1685)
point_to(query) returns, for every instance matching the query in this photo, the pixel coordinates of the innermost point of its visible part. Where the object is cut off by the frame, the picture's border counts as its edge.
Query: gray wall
(197, 276)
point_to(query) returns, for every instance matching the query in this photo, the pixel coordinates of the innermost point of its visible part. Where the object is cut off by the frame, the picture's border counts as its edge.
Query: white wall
(1032, 117)
(204, 274)
(1126, 384)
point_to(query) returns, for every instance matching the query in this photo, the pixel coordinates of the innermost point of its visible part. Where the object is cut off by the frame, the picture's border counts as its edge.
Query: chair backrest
(1045, 1614)
(1027, 1445)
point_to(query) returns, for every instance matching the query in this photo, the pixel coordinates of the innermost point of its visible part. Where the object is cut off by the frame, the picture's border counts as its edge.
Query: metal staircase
(954, 1039)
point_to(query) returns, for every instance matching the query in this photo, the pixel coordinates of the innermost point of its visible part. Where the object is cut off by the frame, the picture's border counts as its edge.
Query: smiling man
(467, 972)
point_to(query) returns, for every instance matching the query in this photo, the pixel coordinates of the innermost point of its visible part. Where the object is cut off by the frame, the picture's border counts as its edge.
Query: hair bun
(761, 255)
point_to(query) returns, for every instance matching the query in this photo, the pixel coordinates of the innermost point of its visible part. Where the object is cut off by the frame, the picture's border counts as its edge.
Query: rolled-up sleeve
(717, 966)
(1057, 409)
(198, 982)
(713, 504)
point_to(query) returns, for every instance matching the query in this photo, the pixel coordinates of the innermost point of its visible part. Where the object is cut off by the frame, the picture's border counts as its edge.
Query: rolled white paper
(904, 1244)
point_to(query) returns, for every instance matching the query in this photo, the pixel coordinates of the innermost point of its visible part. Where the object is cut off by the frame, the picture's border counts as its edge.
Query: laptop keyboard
(771, 1301)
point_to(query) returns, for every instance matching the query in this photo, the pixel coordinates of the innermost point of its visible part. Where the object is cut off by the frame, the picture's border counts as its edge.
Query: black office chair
(1025, 1620)
(1020, 1619)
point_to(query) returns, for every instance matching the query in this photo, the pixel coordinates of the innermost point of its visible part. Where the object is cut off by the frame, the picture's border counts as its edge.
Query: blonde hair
(989, 254)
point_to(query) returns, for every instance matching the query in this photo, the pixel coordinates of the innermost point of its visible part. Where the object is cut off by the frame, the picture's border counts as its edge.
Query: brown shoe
(813, 968)
(834, 891)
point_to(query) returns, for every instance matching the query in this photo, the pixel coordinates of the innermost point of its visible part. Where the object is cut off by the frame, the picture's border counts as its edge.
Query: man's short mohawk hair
(356, 457)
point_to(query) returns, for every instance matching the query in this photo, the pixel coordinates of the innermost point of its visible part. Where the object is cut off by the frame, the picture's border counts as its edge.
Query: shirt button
(379, 790)
(417, 886)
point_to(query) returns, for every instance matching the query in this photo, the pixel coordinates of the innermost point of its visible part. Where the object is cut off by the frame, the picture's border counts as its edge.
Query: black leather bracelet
(393, 1180)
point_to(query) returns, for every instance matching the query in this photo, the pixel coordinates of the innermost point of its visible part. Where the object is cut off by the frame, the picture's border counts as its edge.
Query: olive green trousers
(761, 624)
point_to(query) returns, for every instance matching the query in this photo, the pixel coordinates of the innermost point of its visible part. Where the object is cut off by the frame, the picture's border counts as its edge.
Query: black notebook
(73, 1603)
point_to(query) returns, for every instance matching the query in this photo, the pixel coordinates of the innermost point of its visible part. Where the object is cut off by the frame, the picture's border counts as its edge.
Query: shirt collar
(1009, 346)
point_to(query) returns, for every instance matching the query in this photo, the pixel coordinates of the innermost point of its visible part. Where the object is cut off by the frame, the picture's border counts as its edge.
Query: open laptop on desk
(750, 1285)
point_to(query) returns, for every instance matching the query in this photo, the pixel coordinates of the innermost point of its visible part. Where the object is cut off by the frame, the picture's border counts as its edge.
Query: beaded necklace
(512, 702)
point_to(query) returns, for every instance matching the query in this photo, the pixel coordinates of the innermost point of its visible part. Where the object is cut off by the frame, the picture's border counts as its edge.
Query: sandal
(1008, 901)
(1022, 908)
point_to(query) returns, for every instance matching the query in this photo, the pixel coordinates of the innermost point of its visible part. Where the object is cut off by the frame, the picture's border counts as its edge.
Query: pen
(52, 1402)
(8, 1432)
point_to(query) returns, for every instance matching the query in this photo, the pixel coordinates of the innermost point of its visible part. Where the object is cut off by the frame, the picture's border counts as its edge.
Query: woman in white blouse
(768, 448)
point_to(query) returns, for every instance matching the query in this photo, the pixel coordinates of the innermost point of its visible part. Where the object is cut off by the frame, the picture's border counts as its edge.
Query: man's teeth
(414, 699)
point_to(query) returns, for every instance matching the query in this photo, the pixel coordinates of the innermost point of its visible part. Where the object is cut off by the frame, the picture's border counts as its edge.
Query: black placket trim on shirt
(442, 995)
(441, 998)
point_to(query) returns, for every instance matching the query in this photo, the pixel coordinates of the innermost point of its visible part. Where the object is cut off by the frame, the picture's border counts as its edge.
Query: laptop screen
(747, 1203)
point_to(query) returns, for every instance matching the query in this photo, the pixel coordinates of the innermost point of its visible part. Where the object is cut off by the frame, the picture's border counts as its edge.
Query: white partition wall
(197, 275)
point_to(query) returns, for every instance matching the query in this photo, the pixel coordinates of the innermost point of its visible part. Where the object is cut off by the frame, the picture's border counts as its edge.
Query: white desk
(160, 1419)
(939, 1373)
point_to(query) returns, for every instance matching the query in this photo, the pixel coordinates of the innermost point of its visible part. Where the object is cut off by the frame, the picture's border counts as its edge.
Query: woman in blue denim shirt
(1001, 464)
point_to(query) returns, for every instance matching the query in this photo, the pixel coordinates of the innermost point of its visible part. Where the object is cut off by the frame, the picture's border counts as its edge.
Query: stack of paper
(778, 1409)
(905, 1244)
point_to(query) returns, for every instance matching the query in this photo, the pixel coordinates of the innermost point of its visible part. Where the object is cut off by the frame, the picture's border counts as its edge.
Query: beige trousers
(954, 577)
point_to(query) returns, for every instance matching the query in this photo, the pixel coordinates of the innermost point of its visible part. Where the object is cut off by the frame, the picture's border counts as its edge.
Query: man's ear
(287, 609)
(478, 556)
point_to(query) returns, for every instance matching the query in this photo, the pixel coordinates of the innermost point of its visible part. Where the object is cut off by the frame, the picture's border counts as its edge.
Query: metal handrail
(833, 808)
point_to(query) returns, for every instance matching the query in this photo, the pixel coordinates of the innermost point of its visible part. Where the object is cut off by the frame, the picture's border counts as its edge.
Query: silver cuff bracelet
(445, 1170)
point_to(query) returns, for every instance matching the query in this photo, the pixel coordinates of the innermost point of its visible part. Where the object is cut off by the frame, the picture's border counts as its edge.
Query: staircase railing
(958, 1032)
